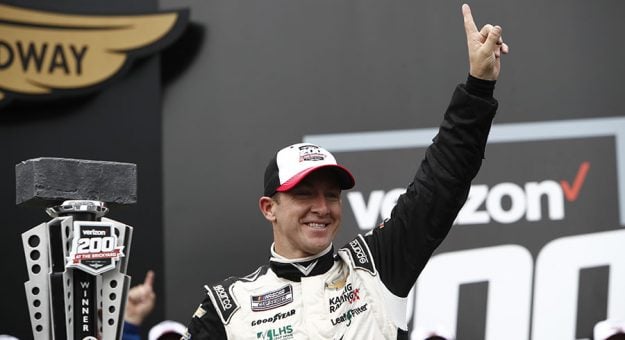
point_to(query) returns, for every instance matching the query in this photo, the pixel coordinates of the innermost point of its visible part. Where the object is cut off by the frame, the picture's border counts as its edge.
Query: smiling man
(309, 292)
(302, 199)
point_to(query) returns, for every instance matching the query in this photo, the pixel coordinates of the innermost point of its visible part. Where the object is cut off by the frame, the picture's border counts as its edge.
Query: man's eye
(333, 196)
(302, 193)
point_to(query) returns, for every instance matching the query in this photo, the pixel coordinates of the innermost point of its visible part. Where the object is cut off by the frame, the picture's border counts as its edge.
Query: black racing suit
(360, 292)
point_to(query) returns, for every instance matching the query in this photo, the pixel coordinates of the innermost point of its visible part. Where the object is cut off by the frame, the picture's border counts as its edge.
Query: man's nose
(320, 204)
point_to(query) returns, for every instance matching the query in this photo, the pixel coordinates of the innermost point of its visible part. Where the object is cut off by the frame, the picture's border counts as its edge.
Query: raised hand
(485, 47)
(141, 300)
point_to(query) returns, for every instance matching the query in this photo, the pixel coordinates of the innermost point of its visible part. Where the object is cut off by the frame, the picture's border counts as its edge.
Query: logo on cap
(311, 153)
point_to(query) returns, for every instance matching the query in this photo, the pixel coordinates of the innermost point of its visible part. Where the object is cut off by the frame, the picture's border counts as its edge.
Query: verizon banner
(537, 250)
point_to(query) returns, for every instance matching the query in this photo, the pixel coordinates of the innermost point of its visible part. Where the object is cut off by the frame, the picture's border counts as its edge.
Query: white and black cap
(609, 329)
(293, 163)
(166, 327)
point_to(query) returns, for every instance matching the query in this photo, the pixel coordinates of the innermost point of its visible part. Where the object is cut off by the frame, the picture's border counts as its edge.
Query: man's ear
(266, 205)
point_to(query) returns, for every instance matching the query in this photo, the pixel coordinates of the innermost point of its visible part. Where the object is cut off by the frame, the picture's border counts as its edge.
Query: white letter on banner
(469, 213)
(389, 202)
(555, 200)
(366, 214)
(517, 206)
(557, 281)
(508, 271)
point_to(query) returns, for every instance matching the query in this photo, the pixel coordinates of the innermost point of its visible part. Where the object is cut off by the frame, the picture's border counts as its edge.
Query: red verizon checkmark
(572, 192)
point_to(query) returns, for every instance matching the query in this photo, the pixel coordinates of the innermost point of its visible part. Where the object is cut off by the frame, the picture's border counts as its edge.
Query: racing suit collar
(295, 269)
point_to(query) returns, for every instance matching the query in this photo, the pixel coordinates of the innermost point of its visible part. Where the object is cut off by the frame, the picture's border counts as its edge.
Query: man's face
(307, 217)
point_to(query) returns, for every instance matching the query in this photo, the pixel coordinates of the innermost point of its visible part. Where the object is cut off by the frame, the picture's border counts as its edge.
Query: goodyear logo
(51, 54)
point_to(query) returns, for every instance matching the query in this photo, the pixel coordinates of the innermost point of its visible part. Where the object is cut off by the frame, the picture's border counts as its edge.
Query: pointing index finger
(149, 278)
(469, 23)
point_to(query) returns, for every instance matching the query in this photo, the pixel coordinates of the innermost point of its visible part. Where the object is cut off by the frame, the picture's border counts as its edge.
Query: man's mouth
(317, 225)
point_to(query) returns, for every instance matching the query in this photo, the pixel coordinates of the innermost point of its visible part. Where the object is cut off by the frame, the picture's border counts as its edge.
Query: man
(307, 292)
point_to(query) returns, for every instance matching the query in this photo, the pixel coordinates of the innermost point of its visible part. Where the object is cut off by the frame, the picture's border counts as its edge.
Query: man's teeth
(317, 225)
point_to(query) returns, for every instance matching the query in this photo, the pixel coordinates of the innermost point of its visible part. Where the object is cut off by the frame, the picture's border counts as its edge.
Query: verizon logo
(502, 203)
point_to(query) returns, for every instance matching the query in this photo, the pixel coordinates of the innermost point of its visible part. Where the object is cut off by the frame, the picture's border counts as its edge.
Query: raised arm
(423, 216)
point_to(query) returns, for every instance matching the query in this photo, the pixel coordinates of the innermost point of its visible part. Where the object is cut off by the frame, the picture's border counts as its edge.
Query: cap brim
(346, 179)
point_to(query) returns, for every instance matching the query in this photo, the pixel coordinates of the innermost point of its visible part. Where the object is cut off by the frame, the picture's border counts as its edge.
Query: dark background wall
(252, 76)
(271, 72)
(121, 123)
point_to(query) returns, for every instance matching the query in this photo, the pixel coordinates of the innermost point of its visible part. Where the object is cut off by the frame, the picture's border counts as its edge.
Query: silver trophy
(77, 261)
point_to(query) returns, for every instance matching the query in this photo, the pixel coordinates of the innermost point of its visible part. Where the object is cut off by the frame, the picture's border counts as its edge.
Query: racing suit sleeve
(206, 323)
(423, 216)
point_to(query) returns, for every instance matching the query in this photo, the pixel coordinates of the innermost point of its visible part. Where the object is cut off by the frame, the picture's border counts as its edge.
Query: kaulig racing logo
(52, 54)
(502, 203)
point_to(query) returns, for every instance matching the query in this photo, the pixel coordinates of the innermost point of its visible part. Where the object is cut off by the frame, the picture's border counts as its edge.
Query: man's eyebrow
(303, 183)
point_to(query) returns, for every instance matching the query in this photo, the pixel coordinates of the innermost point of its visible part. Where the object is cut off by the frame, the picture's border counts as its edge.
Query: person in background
(609, 329)
(139, 304)
(167, 330)
(434, 332)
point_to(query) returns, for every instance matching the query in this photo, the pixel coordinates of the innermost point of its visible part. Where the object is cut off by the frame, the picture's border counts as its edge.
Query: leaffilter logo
(50, 54)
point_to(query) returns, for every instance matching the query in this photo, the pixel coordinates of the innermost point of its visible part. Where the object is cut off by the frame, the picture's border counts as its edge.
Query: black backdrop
(269, 73)
(120, 123)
